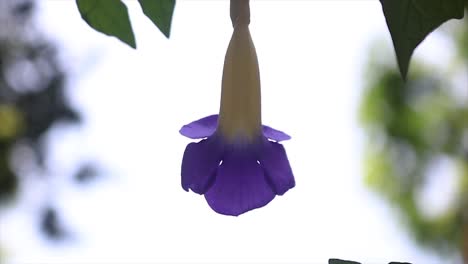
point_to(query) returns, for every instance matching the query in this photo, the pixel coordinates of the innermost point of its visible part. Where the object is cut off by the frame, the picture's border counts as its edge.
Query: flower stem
(240, 12)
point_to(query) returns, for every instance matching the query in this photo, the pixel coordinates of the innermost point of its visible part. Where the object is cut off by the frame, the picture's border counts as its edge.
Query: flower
(239, 164)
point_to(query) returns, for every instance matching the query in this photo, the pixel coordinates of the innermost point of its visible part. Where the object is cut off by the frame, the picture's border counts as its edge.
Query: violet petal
(206, 126)
(200, 128)
(199, 165)
(240, 184)
(274, 134)
(275, 164)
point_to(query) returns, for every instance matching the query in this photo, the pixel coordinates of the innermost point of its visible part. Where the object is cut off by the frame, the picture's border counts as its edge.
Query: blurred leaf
(463, 38)
(86, 173)
(410, 21)
(109, 17)
(160, 12)
(8, 182)
(51, 226)
(24, 8)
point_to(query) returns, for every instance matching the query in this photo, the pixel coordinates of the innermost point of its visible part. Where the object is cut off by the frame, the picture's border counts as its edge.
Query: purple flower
(235, 177)
(239, 165)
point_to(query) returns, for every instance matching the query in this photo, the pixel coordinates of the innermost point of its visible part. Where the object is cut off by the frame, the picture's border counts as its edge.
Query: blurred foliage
(410, 126)
(32, 102)
(32, 84)
(50, 224)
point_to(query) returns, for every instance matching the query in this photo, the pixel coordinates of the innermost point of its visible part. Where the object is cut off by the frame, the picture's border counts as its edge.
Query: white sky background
(311, 56)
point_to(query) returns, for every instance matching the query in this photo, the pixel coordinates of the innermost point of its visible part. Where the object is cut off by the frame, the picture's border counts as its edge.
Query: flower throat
(240, 110)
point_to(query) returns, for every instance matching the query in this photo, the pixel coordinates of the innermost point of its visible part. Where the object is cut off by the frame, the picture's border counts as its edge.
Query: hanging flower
(239, 165)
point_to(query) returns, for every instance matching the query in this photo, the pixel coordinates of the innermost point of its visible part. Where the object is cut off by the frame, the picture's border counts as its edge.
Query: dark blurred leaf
(40, 118)
(51, 225)
(8, 183)
(410, 21)
(86, 173)
(109, 17)
(340, 261)
(160, 12)
(23, 9)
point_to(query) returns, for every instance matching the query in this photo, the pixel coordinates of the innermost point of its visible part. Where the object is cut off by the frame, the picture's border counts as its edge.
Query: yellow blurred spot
(10, 121)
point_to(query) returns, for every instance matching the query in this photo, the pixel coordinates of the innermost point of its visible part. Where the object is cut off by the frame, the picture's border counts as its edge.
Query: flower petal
(206, 126)
(274, 134)
(200, 128)
(240, 185)
(199, 164)
(275, 164)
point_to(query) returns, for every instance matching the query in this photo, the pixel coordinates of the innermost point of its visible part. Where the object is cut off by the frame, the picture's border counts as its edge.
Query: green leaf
(160, 12)
(340, 261)
(410, 21)
(109, 17)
